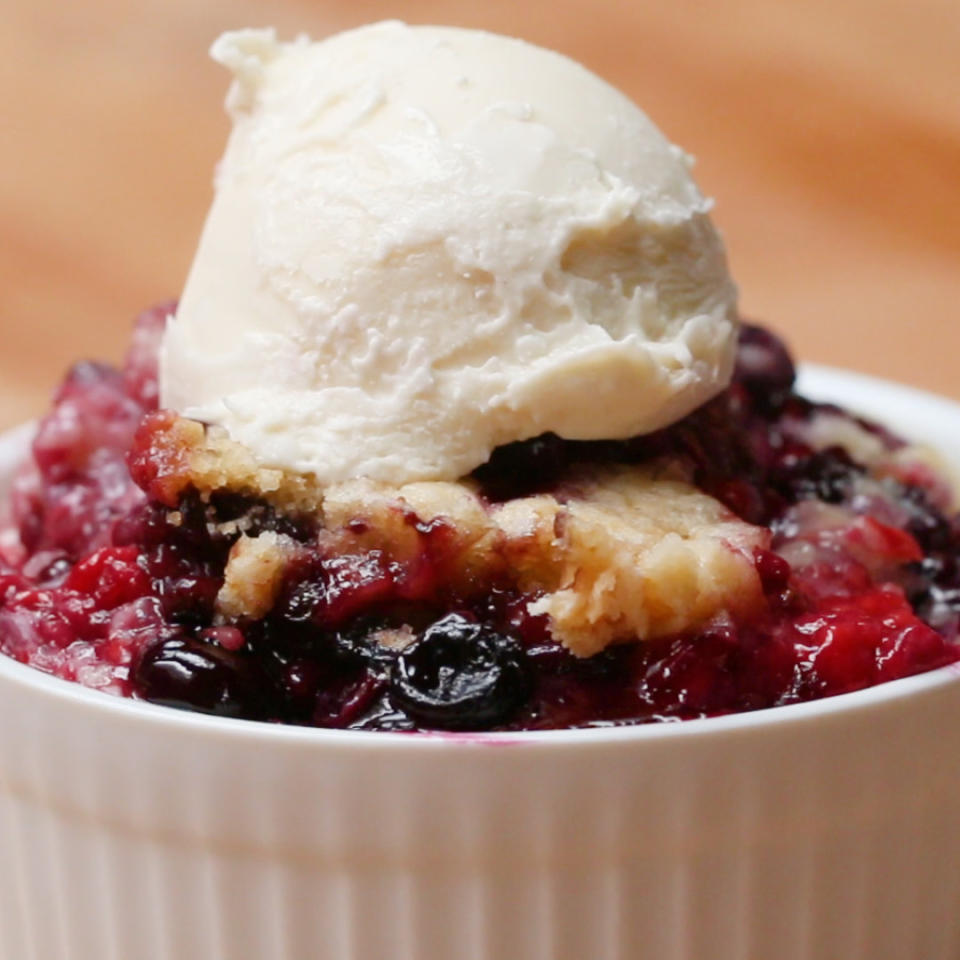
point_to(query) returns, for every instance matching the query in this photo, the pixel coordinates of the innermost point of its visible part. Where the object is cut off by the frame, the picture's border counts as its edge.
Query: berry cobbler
(763, 550)
(362, 474)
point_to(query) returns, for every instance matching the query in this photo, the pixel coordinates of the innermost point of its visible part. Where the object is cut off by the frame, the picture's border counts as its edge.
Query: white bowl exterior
(825, 831)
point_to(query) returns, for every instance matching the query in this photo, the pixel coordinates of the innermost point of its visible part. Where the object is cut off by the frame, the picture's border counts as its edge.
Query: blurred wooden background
(828, 131)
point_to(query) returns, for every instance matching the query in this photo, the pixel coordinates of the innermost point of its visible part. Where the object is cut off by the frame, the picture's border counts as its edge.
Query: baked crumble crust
(175, 454)
(616, 553)
(253, 575)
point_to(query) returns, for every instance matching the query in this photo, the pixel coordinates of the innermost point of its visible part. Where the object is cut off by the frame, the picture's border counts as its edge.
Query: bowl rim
(821, 382)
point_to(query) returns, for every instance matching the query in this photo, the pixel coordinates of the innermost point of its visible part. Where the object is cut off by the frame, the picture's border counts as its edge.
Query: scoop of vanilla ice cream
(427, 242)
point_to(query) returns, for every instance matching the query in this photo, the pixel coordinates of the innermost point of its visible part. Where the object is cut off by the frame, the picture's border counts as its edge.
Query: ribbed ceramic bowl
(824, 831)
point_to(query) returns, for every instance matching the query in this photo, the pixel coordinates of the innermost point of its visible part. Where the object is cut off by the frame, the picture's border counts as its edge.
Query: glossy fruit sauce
(100, 586)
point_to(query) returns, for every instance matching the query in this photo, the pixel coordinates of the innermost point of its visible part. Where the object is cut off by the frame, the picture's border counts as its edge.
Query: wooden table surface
(828, 131)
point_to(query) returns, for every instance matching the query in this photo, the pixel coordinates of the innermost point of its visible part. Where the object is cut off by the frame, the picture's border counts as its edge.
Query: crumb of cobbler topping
(624, 555)
(253, 576)
(171, 455)
(763, 550)
(633, 556)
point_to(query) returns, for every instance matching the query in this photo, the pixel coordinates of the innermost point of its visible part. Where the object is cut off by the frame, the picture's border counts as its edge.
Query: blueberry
(384, 717)
(460, 675)
(931, 529)
(192, 619)
(828, 475)
(190, 674)
(302, 601)
(524, 467)
(764, 365)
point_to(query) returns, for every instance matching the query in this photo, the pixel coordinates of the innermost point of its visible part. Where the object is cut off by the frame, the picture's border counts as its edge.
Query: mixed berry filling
(105, 582)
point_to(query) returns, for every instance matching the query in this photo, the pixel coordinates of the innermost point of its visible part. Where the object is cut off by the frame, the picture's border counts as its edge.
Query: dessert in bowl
(492, 468)
(764, 564)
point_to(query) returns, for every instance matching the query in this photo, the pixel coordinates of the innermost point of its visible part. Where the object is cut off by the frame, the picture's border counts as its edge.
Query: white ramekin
(823, 831)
